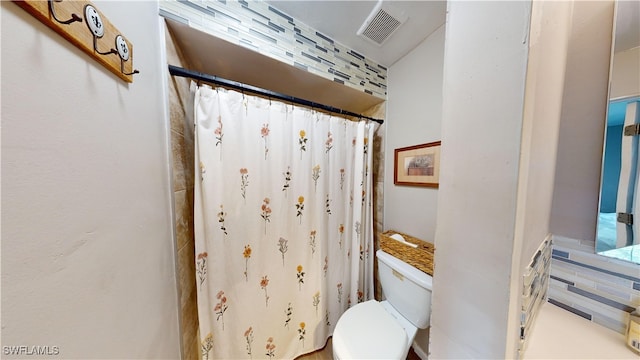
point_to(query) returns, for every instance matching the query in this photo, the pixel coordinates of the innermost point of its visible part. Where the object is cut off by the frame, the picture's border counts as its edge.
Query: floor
(326, 353)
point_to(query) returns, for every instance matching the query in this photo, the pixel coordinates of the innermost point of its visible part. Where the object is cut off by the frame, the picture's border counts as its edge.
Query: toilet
(386, 329)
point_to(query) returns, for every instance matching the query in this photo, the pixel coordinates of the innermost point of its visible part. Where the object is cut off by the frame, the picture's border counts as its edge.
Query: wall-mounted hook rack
(96, 32)
(52, 10)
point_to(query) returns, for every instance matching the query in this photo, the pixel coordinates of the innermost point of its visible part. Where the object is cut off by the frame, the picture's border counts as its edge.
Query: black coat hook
(123, 52)
(96, 26)
(52, 10)
(95, 48)
(122, 69)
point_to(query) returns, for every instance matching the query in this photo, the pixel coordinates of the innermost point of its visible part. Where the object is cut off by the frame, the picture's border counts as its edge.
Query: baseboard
(419, 351)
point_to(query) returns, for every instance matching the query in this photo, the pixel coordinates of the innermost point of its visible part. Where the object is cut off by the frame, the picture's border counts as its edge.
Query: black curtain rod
(178, 71)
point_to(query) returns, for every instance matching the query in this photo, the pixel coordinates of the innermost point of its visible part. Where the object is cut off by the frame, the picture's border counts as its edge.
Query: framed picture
(417, 165)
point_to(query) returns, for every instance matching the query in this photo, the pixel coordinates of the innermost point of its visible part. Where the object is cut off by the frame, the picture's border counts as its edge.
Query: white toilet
(385, 330)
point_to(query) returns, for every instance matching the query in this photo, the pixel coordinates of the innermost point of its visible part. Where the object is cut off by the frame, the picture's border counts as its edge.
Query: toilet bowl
(385, 330)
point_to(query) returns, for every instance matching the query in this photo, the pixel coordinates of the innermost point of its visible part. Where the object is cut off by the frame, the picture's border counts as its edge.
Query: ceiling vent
(383, 21)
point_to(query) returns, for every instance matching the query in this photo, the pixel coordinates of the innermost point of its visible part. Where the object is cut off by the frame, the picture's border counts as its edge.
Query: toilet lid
(368, 331)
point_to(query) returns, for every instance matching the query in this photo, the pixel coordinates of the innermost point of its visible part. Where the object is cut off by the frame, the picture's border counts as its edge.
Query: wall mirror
(618, 230)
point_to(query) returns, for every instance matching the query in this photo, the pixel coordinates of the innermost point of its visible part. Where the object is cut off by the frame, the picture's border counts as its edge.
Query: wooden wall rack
(82, 24)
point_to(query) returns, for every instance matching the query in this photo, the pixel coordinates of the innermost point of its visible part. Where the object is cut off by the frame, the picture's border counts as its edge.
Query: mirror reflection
(618, 221)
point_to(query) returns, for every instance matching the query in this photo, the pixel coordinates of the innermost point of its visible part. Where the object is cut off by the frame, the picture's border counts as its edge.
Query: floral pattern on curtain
(283, 224)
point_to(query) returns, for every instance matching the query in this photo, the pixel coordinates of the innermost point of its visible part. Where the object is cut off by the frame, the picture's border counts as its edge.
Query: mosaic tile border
(600, 289)
(534, 291)
(260, 27)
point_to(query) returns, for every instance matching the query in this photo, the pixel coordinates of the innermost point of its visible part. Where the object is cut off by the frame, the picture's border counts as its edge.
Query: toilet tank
(406, 288)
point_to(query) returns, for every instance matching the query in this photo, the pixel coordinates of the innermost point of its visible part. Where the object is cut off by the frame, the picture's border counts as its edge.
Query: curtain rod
(178, 71)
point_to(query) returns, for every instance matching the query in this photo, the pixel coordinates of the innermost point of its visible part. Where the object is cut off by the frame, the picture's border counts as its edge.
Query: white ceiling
(340, 20)
(627, 25)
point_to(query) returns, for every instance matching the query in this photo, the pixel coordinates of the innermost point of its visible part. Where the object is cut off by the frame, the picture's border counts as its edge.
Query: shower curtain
(283, 224)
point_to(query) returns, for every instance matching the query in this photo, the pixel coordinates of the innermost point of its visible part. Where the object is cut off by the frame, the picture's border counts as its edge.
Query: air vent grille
(381, 27)
(382, 22)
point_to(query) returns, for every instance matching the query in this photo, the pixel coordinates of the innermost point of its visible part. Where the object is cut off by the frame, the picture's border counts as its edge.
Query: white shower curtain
(283, 224)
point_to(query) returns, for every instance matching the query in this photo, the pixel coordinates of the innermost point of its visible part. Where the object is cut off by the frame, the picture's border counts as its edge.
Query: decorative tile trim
(562, 280)
(169, 15)
(260, 27)
(559, 253)
(595, 268)
(600, 289)
(534, 291)
(599, 298)
(570, 309)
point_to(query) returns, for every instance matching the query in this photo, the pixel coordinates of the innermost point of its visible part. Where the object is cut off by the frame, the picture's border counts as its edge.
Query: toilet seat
(368, 331)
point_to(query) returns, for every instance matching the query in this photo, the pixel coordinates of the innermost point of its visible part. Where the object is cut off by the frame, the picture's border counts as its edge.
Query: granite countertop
(559, 334)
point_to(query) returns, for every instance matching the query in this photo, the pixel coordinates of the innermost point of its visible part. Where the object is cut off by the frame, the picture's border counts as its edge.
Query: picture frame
(417, 165)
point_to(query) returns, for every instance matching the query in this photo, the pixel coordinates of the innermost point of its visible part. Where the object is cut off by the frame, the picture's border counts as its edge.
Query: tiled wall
(378, 111)
(260, 27)
(598, 288)
(182, 147)
(534, 290)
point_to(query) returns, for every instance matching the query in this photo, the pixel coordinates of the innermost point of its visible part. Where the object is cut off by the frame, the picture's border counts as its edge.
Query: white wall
(490, 223)
(625, 77)
(577, 181)
(549, 37)
(414, 116)
(87, 256)
(480, 226)
(486, 52)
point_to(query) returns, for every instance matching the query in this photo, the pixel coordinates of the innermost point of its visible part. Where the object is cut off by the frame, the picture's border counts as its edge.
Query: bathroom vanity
(559, 334)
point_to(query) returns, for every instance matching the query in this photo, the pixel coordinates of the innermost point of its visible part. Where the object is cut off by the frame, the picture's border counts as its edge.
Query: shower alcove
(193, 49)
